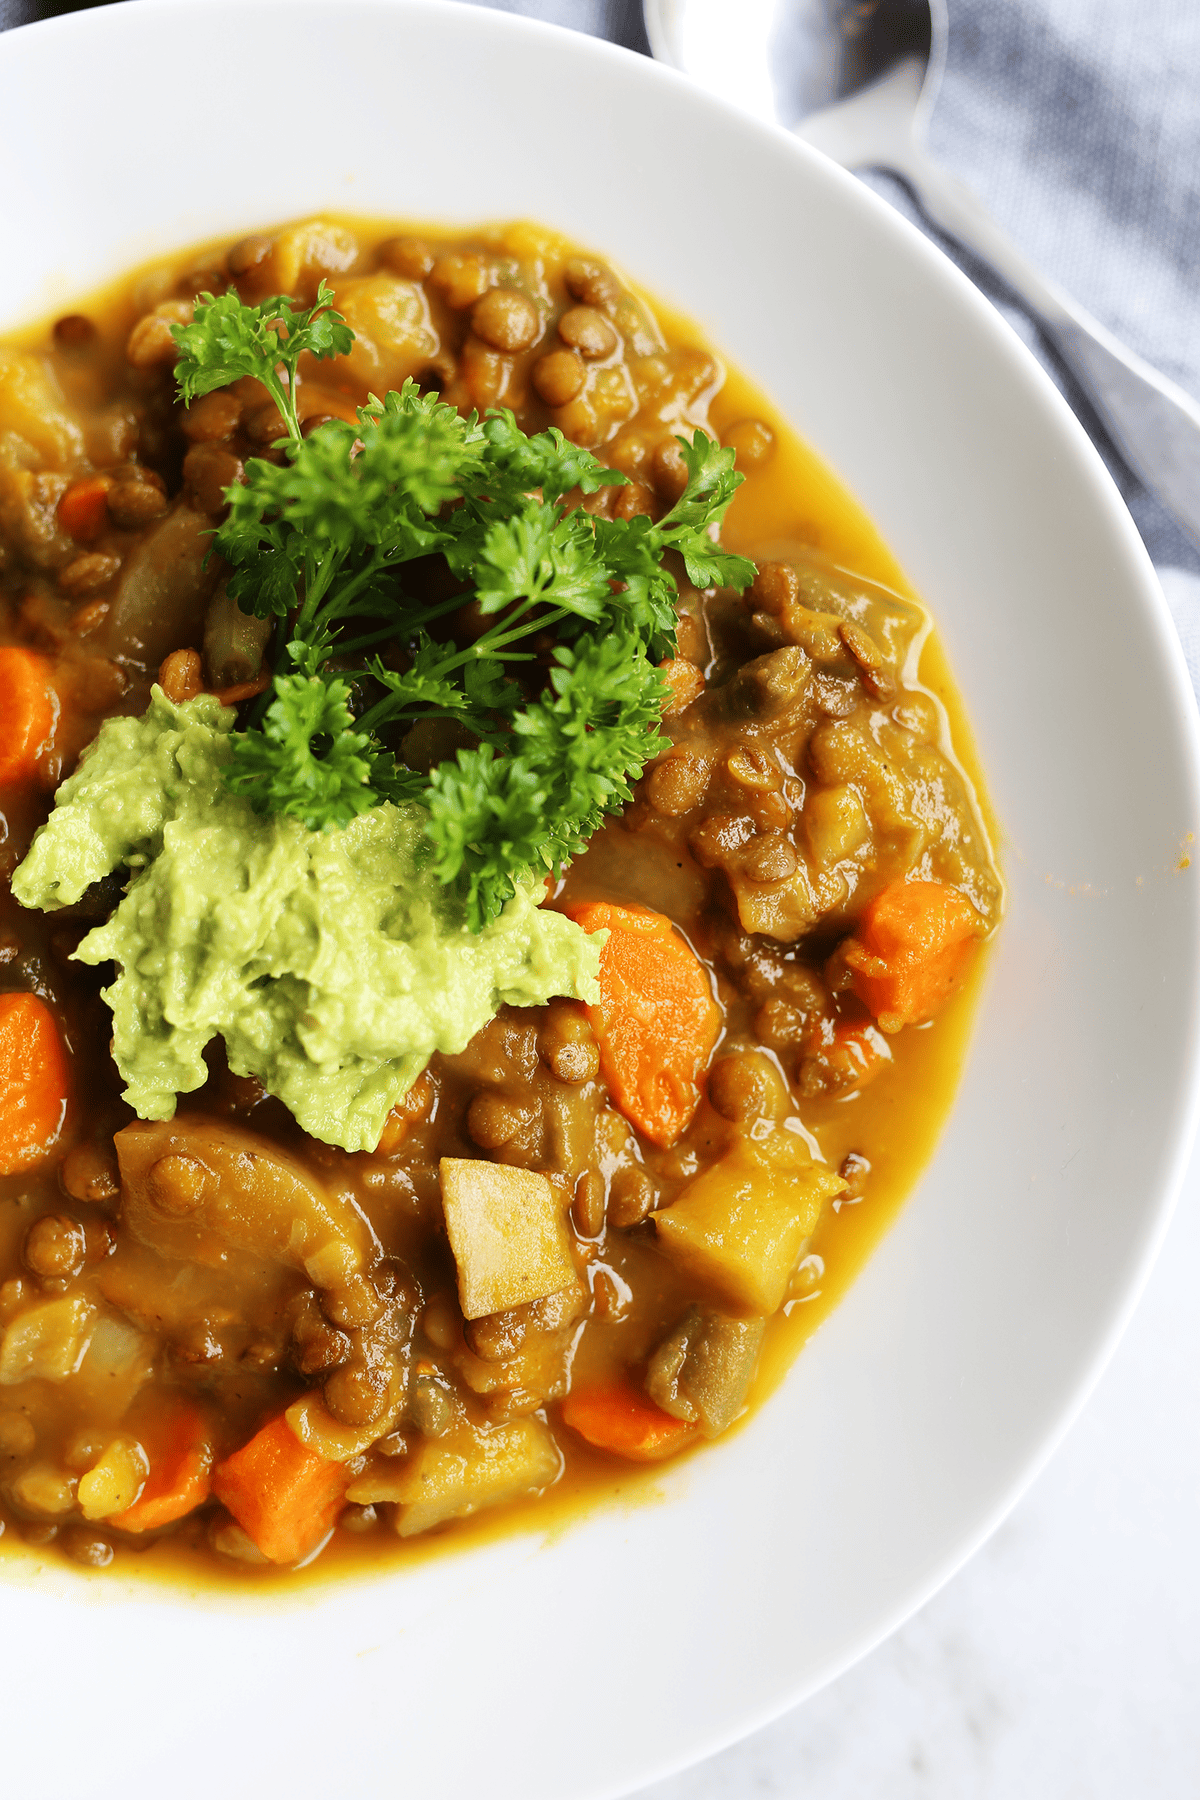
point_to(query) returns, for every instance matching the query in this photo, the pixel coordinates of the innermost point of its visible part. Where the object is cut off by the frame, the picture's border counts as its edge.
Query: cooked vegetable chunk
(196, 1188)
(612, 1416)
(32, 409)
(657, 1021)
(115, 1481)
(459, 1474)
(283, 1494)
(180, 1451)
(742, 1223)
(28, 710)
(910, 949)
(33, 1082)
(47, 1342)
(702, 1372)
(166, 586)
(507, 1233)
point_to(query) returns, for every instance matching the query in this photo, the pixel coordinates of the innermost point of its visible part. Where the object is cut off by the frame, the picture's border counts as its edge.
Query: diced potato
(47, 1342)
(115, 1481)
(741, 1225)
(303, 253)
(834, 824)
(165, 587)
(454, 1476)
(507, 1233)
(381, 1485)
(119, 1358)
(29, 516)
(43, 1491)
(703, 1370)
(32, 406)
(394, 334)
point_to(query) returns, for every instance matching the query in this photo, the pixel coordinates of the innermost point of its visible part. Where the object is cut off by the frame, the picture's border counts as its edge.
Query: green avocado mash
(331, 962)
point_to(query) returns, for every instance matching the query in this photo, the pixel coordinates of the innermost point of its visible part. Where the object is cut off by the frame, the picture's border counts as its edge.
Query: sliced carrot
(284, 1495)
(911, 947)
(627, 1422)
(657, 1021)
(28, 710)
(180, 1449)
(34, 1084)
(83, 509)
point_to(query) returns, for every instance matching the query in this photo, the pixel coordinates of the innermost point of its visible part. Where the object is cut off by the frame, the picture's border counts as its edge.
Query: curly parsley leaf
(699, 512)
(573, 755)
(228, 339)
(305, 760)
(548, 461)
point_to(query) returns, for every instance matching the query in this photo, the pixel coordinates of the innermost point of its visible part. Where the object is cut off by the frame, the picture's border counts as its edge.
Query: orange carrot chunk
(911, 947)
(180, 1449)
(285, 1496)
(842, 1056)
(33, 1082)
(657, 1021)
(28, 711)
(83, 509)
(625, 1421)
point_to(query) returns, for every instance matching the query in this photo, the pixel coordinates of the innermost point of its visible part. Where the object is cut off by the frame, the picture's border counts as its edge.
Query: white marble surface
(1063, 1662)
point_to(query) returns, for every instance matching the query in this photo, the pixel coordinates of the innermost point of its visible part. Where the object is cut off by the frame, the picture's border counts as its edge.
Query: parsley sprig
(228, 339)
(556, 689)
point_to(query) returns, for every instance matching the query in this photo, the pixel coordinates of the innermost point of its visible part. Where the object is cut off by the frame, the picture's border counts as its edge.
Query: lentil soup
(591, 1238)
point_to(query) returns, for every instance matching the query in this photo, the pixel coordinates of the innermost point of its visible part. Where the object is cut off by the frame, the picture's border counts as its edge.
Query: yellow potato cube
(507, 1233)
(44, 1490)
(740, 1226)
(32, 407)
(47, 1342)
(449, 1477)
(393, 332)
(115, 1481)
(305, 252)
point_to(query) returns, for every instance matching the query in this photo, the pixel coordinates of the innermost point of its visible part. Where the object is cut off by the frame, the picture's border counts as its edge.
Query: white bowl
(641, 1639)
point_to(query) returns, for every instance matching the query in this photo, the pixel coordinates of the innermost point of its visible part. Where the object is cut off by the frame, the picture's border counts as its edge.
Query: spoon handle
(1153, 423)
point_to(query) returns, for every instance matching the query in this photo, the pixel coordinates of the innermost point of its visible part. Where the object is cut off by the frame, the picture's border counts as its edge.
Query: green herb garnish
(319, 541)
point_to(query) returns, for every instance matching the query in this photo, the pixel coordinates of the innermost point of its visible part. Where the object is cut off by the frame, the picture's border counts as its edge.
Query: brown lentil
(590, 282)
(87, 573)
(74, 331)
(208, 471)
(633, 1197)
(559, 376)
(89, 1172)
(408, 256)
(55, 1247)
(506, 319)
(138, 500)
(212, 418)
(752, 442)
(588, 332)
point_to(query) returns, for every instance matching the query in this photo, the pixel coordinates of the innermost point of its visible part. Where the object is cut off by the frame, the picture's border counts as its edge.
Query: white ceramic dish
(640, 1640)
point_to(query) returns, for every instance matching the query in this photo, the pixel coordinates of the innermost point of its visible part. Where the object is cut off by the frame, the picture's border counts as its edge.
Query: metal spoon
(869, 73)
